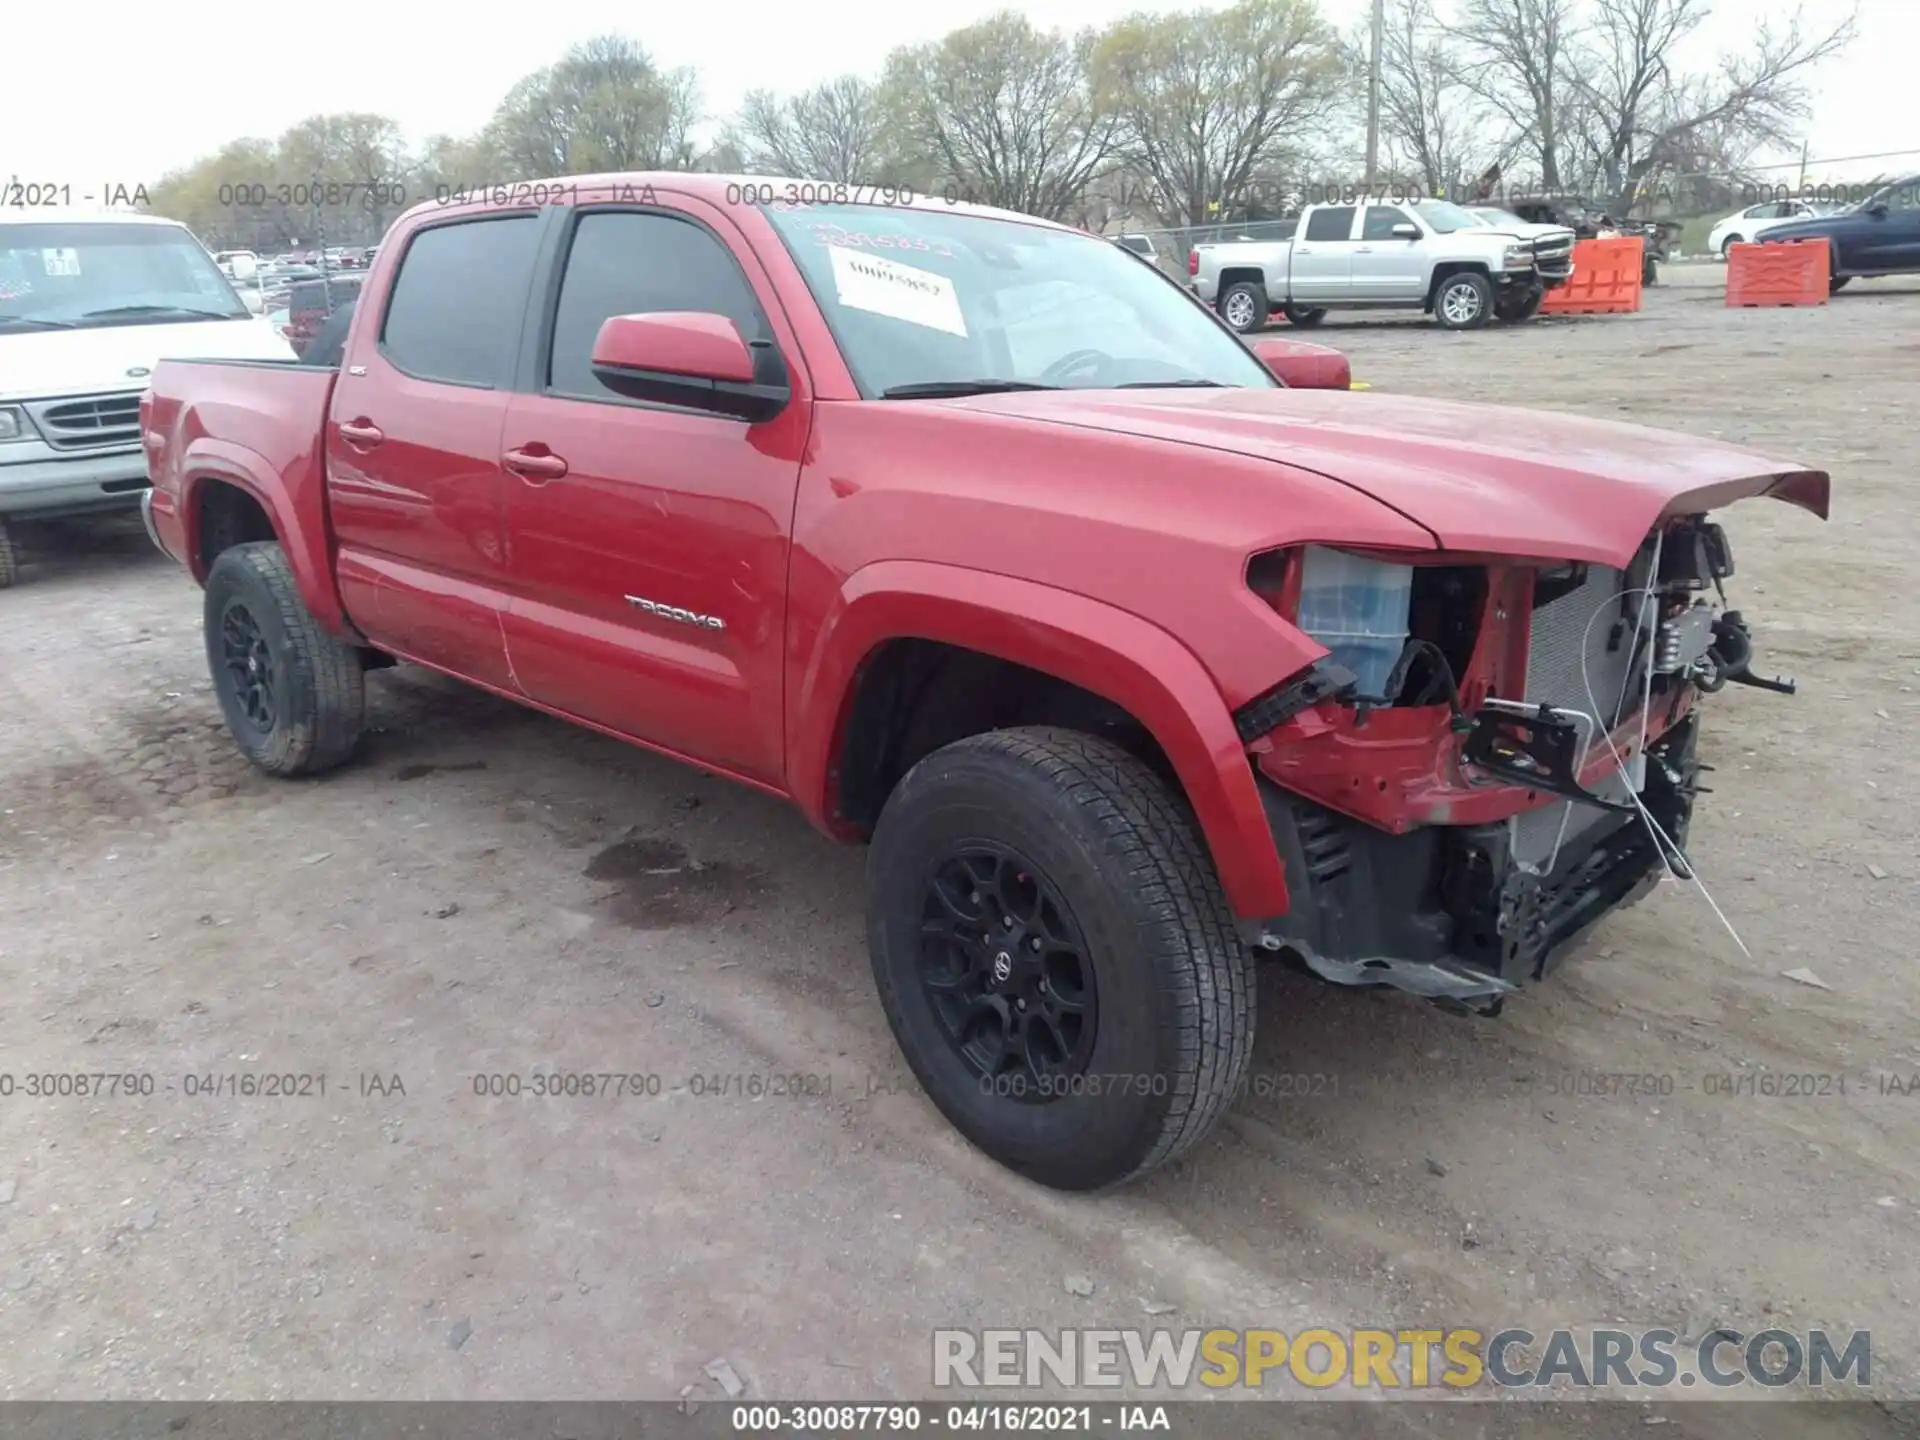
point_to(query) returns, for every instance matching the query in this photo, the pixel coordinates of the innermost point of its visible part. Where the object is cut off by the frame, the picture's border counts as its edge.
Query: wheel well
(1444, 273)
(1242, 273)
(228, 516)
(915, 696)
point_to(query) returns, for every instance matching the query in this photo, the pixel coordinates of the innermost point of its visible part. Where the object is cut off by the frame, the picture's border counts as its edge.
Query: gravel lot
(489, 891)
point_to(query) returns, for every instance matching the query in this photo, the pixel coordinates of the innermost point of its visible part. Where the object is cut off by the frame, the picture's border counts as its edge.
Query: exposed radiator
(1592, 623)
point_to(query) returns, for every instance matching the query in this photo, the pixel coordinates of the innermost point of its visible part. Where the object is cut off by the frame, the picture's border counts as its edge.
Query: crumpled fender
(1100, 648)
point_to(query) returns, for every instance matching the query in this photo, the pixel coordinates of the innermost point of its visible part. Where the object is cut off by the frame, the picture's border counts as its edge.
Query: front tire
(9, 563)
(1105, 1030)
(1244, 306)
(1726, 246)
(1463, 301)
(293, 696)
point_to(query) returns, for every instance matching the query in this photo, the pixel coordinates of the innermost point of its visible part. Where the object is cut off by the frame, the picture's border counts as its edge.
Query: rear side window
(623, 263)
(1334, 224)
(458, 301)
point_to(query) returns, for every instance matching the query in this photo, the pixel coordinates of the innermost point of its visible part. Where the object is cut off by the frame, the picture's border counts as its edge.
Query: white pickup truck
(1429, 255)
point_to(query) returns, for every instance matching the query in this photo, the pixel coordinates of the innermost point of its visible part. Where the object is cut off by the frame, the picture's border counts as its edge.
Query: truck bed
(257, 424)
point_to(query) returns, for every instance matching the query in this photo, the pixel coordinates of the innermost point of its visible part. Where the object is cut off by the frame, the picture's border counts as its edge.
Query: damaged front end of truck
(1494, 754)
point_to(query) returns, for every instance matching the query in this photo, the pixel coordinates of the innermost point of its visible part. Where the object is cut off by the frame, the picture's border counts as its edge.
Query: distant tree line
(1159, 119)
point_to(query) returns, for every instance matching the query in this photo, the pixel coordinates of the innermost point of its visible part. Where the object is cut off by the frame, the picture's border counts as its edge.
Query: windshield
(1445, 217)
(83, 275)
(922, 299)
(1494, 218)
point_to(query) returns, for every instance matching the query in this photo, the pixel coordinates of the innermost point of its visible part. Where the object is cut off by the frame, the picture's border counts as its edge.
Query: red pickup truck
(980, 540)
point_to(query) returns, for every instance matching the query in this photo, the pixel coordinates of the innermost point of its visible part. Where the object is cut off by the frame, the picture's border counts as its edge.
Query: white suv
(90, 302)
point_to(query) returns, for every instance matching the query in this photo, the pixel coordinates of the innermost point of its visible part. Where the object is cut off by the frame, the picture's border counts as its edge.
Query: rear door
(1386, 267)
(1322, 261)
(649, 578)
(414, 482)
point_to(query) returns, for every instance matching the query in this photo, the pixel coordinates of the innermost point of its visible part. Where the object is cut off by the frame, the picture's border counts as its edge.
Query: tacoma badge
(674, 612)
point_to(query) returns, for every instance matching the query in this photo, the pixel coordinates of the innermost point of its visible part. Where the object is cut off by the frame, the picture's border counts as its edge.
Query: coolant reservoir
(1358, 609)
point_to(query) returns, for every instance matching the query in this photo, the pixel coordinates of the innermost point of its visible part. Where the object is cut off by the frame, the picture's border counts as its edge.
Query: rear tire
(9, 565)
(1463, 301)
(1306, 317)
(1837, 283)
(1244, 306)
(294, 697)
(1120, 921)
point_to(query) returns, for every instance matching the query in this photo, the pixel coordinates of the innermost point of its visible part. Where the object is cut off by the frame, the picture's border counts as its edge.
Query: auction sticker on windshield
(900, 292)
(60, 262)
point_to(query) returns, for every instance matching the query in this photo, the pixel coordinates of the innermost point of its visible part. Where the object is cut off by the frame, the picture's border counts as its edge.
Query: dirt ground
(487, 891)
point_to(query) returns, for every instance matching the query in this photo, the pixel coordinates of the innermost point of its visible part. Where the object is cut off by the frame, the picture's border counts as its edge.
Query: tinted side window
(1334, 224)
(1381, 219)
(458, 300)
(627, 264)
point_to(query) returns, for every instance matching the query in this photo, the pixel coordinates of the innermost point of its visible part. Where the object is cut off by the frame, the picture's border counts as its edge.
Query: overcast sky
(123, 97)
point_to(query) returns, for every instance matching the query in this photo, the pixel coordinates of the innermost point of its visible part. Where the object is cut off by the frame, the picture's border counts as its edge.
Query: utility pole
(1805, 151)
(1373, 91)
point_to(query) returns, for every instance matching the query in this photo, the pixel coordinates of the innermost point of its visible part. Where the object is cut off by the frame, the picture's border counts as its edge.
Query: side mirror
(691, 358)
(1878, 208)
(1406, 230)
(1302, 366)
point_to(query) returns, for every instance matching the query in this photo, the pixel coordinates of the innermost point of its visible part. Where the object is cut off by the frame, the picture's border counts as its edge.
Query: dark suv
(1878, 236)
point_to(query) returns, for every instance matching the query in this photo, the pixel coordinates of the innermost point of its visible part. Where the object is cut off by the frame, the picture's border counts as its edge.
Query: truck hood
(49, 364)
(1479, 478)
(1528, 232)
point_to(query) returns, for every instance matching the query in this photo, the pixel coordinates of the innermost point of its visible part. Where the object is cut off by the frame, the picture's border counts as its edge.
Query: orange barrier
(1606, 279)
(1790, 272)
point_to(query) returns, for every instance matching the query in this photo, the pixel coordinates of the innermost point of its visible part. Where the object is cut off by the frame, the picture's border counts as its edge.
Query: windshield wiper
(163, 310)
(1194, 384)
(948, 389)
(35, 323)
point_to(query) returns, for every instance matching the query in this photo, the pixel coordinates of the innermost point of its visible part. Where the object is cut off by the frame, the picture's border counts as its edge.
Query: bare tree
(1646, 117)
(830, 132)
(1433, 123)
(1208, 100)
(604, 106)
(1000, 113)
(1515, 55)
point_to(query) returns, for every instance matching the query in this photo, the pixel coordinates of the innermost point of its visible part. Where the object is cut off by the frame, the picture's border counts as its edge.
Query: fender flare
(1108, 651)
(303, 538)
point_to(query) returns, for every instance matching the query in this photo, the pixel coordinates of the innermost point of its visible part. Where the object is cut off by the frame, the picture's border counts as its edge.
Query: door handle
(361, 432)
(1363, 249)
(540, 465)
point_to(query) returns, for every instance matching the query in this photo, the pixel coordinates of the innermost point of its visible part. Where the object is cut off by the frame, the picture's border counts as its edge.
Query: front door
(649, 579)
(1387, 266)
(1890, 241)
(414, 484)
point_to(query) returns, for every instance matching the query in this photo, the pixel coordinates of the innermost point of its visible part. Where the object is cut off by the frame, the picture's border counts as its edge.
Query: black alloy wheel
(249, 666)
(1007, 972)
